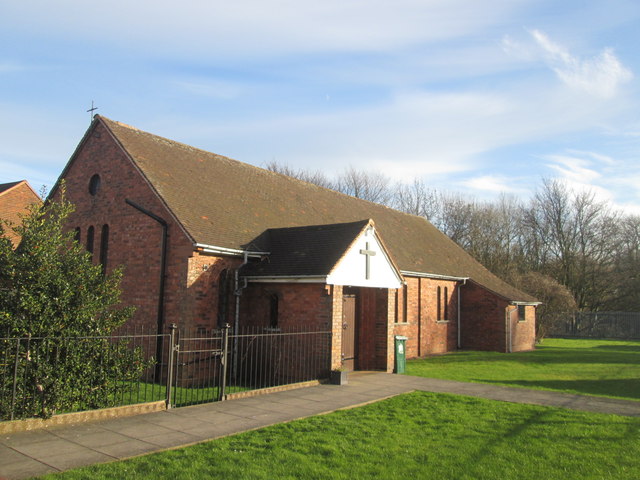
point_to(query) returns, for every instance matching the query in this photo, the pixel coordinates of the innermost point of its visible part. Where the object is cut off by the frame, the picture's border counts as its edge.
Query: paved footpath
(28, 454)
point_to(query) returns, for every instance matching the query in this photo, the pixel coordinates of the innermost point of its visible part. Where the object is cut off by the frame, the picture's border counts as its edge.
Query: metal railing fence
(212, 364)
(615, 325)
(43, 376)
(40, 377)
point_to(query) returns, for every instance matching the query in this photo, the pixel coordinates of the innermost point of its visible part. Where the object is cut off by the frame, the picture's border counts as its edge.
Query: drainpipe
(464, 282)
(163, 269)
(237, 291)
(507, 326)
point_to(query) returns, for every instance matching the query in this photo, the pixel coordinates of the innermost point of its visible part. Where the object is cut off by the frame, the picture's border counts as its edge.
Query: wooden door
(349, 332)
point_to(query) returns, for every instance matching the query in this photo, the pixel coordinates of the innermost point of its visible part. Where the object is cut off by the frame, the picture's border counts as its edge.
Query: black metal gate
(209, 365)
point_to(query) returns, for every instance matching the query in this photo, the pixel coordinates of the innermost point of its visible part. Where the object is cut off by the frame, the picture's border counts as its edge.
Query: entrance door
(349, 332)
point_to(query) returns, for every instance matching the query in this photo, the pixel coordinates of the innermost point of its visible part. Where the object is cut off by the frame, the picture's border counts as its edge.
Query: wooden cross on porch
(368, 253)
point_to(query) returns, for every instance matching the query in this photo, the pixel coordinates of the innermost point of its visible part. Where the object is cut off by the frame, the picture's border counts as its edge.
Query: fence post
(225, 349)
(173, 347)
(15, 379)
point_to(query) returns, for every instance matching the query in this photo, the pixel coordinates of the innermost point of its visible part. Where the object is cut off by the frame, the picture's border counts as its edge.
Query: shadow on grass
(628, 389)
(624, 355)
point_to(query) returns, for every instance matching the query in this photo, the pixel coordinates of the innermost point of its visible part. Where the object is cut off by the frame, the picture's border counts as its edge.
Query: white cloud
(491, 183)
(573, 168)
(601, 75)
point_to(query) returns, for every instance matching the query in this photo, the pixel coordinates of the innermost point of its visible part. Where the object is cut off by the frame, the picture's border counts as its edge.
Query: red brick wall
(484, 316)
(15, 202)
(427, 333)
(300, 304)
(134, 238)
(523, 333)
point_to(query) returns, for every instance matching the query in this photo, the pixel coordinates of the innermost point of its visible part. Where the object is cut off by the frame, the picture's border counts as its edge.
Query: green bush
(50, 294)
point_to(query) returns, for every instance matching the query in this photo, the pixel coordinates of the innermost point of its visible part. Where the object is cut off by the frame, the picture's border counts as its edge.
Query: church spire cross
(368, 253)
(91, 110)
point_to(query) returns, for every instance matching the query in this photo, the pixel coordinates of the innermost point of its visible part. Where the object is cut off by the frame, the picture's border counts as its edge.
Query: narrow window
(223, 297)
(104, 247)
(445, 299)
(522, 311)
(405, 291)
(397, 319)
(439, 304)
(90, 240)
(273, 315)
(76, 235)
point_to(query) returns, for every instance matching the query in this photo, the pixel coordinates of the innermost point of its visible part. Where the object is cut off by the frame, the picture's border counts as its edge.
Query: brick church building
(206, 240)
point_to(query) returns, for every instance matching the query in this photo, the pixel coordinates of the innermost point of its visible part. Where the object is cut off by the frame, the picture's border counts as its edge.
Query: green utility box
(401, 357)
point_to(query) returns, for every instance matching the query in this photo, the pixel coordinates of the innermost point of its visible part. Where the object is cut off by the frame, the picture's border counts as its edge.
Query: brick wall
(484, 322)
(430, 324)
(134, 239)
(15, 202)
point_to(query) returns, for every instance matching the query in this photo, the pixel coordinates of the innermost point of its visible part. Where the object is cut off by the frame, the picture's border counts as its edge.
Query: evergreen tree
(63, 307)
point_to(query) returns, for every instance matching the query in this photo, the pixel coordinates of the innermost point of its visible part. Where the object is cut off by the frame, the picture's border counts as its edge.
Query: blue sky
(473, 97)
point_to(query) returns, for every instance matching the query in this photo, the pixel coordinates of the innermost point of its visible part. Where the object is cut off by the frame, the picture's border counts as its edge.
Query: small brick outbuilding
(207, 240)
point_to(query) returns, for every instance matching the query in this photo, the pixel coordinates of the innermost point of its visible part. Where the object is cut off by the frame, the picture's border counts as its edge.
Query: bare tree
(371, 186)
(415, 198)
(573, 233)
(311, 176)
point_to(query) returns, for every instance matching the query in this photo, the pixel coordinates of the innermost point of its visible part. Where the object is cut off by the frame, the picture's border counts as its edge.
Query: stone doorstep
(16, 426)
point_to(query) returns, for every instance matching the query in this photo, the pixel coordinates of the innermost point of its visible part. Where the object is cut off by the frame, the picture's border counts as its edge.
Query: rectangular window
(442, 304)
(405, 291)
(522, 311)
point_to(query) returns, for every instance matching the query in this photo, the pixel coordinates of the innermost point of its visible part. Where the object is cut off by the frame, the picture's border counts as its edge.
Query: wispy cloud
(601, 75)
(491, 183)
(573, 168)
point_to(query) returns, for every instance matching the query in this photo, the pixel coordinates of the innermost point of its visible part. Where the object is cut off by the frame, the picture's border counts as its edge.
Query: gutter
(434, 276)
(237, 291)
(229, 251)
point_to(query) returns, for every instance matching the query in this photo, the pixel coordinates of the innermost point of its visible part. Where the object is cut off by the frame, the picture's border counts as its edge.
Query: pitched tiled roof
(225, 203)
(304, 251)
(7, 186)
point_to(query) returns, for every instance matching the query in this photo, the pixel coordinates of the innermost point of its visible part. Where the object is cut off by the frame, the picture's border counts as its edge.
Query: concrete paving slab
(127, 449)
(25, 469)
(74, 459)
(33, 453)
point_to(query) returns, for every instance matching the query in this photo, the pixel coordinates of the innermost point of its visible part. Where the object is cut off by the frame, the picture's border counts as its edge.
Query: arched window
(439, 304)
(273, 314)
(104, 247)
(94, 184)
(90, 240)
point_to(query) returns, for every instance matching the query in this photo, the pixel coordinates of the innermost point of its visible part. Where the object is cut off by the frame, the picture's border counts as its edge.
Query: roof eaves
(433, 275)
(287, 279)
(228, 251)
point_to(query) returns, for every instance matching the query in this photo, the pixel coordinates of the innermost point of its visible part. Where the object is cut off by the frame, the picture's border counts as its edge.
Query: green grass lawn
(414, 436)
(593, 367)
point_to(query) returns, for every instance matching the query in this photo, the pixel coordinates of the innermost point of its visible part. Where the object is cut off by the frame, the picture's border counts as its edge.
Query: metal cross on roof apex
(368, 253)
(91, 110)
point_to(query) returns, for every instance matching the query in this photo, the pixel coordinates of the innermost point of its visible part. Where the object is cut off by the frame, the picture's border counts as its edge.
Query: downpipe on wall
(507, 326)
(237, 291)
